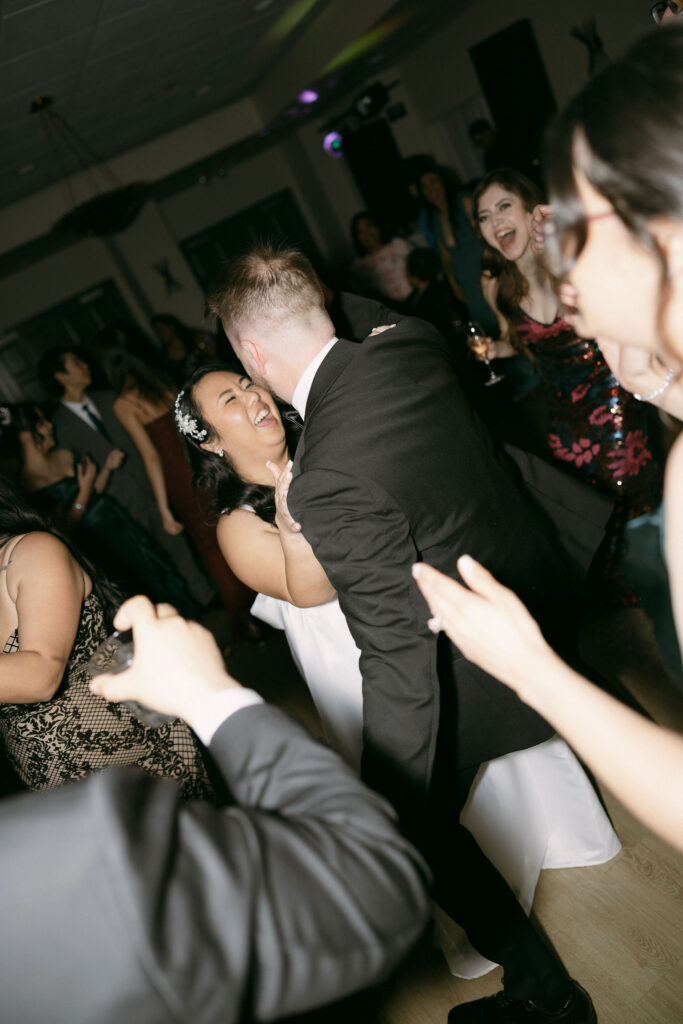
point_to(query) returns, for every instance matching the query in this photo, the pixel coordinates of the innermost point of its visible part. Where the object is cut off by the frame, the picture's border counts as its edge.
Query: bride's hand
(283, 478)
(487, 622)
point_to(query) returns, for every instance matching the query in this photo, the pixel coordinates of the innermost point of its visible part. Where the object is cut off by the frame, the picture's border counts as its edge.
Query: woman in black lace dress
(54, 612)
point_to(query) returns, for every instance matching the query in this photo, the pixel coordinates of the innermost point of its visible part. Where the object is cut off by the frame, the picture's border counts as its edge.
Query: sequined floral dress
(596, 429)
(599, 432)
(75, 734)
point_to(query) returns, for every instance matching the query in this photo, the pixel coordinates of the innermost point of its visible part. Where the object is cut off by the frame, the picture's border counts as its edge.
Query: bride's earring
(220, 453)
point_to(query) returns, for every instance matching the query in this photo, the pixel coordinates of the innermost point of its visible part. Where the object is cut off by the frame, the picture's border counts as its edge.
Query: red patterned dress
(596, 429)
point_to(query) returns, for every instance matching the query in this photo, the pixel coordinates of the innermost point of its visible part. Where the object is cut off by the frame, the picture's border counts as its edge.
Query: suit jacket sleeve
(364, 542)
(122, 902)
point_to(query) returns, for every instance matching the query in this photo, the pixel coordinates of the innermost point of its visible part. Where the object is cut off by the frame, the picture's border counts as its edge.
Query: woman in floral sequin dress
(595, 428)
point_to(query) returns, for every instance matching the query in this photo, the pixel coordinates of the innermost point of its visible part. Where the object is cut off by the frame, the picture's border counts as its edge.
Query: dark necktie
(293, 416)
(96, 422)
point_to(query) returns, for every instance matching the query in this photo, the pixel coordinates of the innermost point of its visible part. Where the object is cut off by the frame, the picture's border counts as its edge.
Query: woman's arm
(128, 417)
(501, 349)
(112, 462)
(279, 563)
(47, 587)
(85, 475)
(448, 272)
(641, 762)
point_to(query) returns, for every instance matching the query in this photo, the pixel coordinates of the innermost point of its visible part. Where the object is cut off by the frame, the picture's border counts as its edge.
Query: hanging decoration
(112, 207)
(164, 271)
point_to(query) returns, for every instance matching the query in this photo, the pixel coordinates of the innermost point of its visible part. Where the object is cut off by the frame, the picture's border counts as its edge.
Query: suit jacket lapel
(334, 363)
(336, 360)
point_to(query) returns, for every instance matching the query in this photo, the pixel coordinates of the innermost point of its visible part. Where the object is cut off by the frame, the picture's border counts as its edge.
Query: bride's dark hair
(214, 474)
(512, 285)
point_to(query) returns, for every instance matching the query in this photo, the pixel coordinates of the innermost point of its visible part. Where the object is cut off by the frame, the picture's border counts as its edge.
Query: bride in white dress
(529, 810)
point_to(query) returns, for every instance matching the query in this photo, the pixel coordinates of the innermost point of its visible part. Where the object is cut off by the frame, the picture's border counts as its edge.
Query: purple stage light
(332, 144)
(308, 96)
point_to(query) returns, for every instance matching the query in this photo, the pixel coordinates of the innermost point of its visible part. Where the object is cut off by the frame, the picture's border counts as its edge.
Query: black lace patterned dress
(75, 733)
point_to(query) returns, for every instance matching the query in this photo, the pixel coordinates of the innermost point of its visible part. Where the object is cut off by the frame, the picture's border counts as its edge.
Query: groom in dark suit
(393, 467)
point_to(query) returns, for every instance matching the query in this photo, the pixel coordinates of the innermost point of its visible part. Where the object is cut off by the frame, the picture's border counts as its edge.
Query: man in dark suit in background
(123, 903)
(393, 467)
(85, 422)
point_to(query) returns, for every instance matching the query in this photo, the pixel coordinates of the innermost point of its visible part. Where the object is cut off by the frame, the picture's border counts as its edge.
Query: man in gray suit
(85, 423)
(122, 903)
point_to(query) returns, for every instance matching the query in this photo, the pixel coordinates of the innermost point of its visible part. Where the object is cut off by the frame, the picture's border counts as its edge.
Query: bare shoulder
(241, 524)
(44, 546)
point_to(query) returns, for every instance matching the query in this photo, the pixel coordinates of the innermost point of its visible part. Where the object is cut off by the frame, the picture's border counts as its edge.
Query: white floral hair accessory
(187, 424)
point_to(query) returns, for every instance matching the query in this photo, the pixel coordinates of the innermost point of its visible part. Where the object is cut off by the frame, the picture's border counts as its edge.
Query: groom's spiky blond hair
(265, 286)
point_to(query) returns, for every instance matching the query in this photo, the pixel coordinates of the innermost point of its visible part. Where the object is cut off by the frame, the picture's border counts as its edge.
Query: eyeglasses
(659, 10)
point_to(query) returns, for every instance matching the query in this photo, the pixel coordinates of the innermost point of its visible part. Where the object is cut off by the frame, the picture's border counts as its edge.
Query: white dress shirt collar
(79, 409)
(302, 390)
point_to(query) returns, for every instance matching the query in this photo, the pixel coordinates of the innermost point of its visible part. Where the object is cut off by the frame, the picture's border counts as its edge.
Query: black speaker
(375, 162)
(516, 86)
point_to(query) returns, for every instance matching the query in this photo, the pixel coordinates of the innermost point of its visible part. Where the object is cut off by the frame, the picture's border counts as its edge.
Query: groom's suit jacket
(393, 467)
(122, 903)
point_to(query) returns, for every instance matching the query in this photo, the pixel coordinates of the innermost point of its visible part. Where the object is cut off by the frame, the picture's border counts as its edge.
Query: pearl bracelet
(659, 391)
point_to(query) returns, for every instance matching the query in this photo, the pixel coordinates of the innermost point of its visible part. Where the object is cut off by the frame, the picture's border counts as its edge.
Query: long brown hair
(512, 284)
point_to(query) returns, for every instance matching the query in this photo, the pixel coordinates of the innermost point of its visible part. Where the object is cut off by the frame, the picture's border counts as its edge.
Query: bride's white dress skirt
(529, 810)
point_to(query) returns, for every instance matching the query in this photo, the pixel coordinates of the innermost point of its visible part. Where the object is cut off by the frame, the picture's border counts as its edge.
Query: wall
(440, 74)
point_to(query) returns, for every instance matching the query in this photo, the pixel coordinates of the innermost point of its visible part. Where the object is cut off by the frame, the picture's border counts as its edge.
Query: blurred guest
(185, 348)
(451, 225)
(84, 422)
(431, 299)
(54, 610)
(74, 495)
(485, 138)
(145, 393)
(144, 908)
(379, 269)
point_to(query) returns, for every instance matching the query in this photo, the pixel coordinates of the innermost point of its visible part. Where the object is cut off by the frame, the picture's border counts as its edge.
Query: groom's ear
(256, 355)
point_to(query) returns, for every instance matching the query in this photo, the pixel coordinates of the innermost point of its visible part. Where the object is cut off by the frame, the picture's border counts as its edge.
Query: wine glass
(115, 654)
(476, 339)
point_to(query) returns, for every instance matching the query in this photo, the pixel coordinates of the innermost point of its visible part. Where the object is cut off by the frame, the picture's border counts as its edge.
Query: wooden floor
(617, 927)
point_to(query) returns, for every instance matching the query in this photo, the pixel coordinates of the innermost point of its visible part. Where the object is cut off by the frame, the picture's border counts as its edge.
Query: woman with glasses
(616, 186)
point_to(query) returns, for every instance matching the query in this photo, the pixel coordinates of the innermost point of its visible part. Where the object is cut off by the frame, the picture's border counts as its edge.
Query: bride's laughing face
(244, 417)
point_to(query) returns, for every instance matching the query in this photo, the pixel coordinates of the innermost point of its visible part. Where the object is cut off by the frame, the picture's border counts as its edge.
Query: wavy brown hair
(512, 284)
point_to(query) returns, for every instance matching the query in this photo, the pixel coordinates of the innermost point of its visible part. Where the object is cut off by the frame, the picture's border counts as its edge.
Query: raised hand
(487, 622)
(86, 470)
(541, 224)
(283, 478)
(176, 662)
(114, 459)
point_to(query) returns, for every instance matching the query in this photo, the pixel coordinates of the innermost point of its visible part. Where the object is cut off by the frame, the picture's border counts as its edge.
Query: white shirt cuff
(210, 713)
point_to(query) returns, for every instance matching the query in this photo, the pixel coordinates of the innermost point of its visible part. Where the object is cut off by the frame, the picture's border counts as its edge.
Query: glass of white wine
(478, 342)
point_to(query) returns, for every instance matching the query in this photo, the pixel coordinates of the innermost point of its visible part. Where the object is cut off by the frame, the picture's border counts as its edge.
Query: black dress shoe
(501, 1009)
